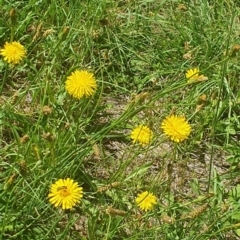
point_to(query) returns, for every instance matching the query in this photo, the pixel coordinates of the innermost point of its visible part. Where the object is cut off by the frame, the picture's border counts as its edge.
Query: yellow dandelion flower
(65, 193)
(146, 200)
(176, 127)
(80, 84)
(13, 52)
(193, 76)
(192, 73)
(141, 134)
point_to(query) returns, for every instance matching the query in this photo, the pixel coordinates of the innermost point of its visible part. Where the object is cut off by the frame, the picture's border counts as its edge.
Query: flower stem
(12, 34)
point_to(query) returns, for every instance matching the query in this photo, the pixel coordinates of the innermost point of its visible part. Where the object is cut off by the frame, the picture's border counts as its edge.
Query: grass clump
(119, 120)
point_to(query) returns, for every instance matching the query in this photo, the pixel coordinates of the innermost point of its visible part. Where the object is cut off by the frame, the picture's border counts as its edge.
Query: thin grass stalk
(215, 117)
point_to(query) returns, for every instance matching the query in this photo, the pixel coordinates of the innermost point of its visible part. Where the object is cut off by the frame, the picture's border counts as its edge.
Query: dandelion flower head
(13, 52)
(65, 193)
(176, 127)
(192, 73)
(146, 200)
(141, 134)
(81, 83)
(193, 76)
